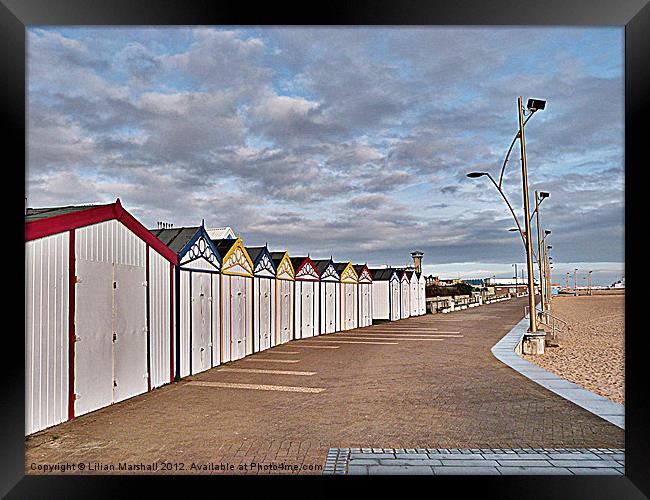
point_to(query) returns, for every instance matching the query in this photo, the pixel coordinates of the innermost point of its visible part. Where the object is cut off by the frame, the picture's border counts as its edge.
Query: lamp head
(536, 104)
(473, 175)
(544, 194)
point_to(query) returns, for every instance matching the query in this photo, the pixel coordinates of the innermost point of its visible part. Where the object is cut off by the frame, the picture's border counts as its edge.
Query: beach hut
(415, 294)
(236, 299)
(99, 291)
(198, 285)
(221, 233)
(386, 292)
(405, 297)
(364, 297)
(263, 298)
(349, 290)
(422, 282)
(330, 305)
(284, 292)
(306, 308)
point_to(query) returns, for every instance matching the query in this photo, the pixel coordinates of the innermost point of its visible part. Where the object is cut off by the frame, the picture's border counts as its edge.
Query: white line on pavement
(259, 387)
(384, 338)
(256, 370)
(318, 346)
(355, 342)
(265, 360)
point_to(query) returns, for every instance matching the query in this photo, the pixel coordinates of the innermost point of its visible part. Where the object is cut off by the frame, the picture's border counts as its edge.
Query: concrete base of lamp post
(534, 343)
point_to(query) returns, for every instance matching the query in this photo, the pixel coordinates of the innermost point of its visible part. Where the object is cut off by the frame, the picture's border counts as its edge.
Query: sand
(592, 352)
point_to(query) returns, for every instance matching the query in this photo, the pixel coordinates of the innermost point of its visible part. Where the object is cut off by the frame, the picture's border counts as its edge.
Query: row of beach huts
(113, 309)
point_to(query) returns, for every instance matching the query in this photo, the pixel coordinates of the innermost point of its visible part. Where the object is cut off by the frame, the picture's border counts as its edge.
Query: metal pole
(575, 282)
(529, 240)
(540, 260)
(567, 282)
(549, 286)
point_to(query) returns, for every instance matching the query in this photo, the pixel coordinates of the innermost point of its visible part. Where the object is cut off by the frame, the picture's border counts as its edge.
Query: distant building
(619, 284)
(222, 233)
(475, 281)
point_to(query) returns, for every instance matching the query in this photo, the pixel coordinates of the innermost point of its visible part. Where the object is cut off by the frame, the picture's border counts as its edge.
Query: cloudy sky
(345, 141)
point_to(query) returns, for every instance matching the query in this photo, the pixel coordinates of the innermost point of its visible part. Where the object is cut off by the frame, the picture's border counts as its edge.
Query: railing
(548, 319)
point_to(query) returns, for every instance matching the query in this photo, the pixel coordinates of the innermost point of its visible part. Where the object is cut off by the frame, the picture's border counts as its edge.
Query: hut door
(238, 318)
(307, 316)
(93, 383)
(285, 334)
(423, 299)
(265, 313)
(365, 305)
(395, 300)
(201, 320)
(349, 307)
(330, 307)
(130, 332)
(414, 299)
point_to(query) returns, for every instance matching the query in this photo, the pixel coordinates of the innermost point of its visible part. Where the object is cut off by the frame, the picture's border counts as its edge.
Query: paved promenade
(425, 382)
(485, 461)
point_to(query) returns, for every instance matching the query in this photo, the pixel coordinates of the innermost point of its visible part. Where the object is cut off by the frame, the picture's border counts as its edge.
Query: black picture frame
(16, 15)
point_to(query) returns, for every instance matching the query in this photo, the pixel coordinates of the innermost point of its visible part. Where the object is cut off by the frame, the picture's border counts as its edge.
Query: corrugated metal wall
(396, 299)
(406, 299)
(415, 292)
(263, 321)
(216, 319)
(284, 311)
(365, 304)
(159, 318)
(329, 307)
(306, 309)
(349, 304)
(46, 331)
(380, 300)
(110, 241)
(184, 323)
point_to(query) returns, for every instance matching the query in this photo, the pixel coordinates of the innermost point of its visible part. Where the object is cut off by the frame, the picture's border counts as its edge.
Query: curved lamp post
(533, 105)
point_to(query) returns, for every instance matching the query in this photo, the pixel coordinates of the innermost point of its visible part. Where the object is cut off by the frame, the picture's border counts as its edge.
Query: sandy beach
(592, 352)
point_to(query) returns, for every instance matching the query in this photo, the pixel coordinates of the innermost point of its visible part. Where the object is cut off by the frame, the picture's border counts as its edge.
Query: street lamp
(474, 175)
(533, 105)
(540, 196)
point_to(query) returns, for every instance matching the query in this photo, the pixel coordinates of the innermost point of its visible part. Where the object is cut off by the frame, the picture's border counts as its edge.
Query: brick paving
(485, 461)
(450, 394)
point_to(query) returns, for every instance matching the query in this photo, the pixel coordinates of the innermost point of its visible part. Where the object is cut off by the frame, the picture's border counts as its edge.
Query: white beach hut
(349, 290)
(330, 306)
(307, 304)
(365, 295)
(99, 292)
(263, 298)
(386, 293)
(236, 299)
(422, 296)
(405, 297)
(197, 307)
(415, 294)
(284, 292)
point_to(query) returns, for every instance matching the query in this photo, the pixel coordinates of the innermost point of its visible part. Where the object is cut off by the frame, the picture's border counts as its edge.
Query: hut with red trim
(99, 311)
(307, 301)
(405, 283)
(364, 297)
